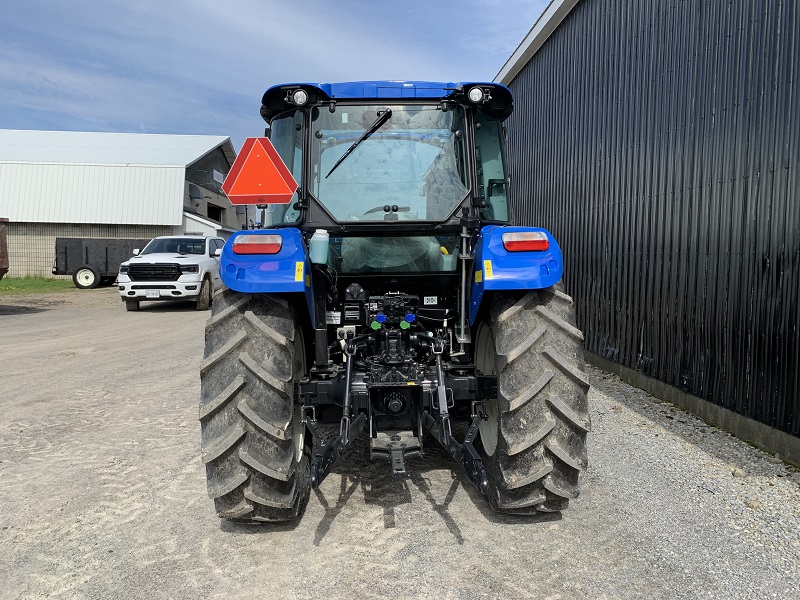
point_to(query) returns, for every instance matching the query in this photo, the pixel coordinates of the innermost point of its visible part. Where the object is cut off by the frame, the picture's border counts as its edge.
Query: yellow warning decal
(298, 271)
(478, 276)
(487, 266)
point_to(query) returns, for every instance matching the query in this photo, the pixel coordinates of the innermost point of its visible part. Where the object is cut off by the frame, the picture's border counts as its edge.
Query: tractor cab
(399, 153)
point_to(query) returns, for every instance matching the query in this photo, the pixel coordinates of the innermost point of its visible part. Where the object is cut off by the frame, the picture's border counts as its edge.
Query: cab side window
(492, 175)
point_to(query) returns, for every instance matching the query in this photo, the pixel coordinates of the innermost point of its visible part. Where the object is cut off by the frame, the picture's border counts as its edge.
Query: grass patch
(34, 285)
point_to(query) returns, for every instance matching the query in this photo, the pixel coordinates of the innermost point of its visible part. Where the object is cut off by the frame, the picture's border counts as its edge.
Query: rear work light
(525, 241)
(257, 244)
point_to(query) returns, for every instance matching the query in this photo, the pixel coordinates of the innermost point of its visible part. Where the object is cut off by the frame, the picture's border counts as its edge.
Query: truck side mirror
(217, 253)
(136, 252)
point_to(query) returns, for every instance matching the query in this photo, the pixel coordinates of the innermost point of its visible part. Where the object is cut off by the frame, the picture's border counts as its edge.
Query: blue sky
(201, 66)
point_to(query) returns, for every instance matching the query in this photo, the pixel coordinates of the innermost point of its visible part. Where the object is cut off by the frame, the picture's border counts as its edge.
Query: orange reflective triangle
(259, 176)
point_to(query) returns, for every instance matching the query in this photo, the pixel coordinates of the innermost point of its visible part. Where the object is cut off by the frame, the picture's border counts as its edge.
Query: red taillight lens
(525, 241)
(257, 244)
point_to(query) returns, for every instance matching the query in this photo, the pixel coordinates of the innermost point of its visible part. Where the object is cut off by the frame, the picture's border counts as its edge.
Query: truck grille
(156, 272)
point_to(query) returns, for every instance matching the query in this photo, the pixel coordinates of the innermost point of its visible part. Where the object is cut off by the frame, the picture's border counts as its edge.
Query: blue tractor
(390, 303)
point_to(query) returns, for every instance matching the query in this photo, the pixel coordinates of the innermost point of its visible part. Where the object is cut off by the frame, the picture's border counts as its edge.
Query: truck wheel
(86, 278)
(204, 299)
(253, 441)
(534, 440)
(131, 305)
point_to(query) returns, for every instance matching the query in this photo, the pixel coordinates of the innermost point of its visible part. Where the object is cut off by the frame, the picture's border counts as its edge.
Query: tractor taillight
(525, 241)
(257, 244)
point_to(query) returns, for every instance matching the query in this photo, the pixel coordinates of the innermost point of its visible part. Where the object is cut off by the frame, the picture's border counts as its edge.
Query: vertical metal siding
(658, 140)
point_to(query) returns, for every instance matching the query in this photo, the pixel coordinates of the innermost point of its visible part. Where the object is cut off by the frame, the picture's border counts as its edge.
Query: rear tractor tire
(253, 443)
(534, 440)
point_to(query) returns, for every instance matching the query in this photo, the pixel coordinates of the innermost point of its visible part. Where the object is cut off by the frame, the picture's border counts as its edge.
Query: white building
(109, 185)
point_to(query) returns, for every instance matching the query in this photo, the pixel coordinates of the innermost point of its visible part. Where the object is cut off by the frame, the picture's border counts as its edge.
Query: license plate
(152, 294)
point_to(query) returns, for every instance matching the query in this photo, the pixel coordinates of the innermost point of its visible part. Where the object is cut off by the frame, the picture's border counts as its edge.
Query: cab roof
(498, 102)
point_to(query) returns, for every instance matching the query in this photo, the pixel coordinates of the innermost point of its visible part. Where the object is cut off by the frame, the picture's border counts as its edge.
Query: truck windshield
(178, 245)
(411, 167)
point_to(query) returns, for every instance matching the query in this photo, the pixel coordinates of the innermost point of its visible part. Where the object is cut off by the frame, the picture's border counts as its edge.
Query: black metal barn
(658, 140)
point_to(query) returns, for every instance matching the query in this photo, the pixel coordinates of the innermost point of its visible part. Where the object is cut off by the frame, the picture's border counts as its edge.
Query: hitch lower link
(329, 450)
(439, 426)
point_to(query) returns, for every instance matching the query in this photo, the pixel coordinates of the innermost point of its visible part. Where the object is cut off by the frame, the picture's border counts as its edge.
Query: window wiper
(379, 122)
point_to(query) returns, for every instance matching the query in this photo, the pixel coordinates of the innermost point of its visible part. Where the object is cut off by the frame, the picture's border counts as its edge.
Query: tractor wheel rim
(488, 428)
(298, 435)
(484, 359)
(298, 371)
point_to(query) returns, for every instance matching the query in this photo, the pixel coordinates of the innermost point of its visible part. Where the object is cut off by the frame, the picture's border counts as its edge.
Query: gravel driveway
(102, 492)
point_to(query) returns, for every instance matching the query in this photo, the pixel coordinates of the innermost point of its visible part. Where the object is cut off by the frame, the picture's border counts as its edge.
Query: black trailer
(93, 261)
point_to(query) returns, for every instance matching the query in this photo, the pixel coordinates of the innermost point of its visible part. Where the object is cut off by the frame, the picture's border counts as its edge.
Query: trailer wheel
(204, 299)
(86, 278)
(534, 440)
(131, 305)
(253, 441)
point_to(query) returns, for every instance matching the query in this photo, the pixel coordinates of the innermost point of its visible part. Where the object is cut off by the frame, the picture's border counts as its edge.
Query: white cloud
(201, 66)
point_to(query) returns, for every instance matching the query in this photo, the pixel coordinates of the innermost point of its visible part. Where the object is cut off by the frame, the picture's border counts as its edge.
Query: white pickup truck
(172, 268)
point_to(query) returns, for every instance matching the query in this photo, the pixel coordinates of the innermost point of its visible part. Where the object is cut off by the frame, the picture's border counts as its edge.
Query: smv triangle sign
(259, 176)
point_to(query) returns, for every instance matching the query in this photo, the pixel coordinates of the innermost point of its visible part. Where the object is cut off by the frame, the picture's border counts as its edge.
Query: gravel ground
(102, 492)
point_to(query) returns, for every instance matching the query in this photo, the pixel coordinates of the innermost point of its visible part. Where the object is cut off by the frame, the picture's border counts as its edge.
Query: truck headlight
(190, 269)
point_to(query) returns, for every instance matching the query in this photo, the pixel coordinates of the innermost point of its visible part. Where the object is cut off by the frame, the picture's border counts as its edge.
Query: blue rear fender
(288, 271)
(495, 268)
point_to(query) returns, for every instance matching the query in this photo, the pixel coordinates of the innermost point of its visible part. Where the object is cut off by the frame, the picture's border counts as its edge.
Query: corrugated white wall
(111, 194)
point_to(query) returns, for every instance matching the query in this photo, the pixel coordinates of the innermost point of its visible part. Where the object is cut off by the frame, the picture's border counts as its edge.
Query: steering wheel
(388, 208)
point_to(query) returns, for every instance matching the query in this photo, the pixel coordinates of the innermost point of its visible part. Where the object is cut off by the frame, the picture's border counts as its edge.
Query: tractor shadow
(258, 528)
(163, 306)
(11, 309)
(381, 488)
